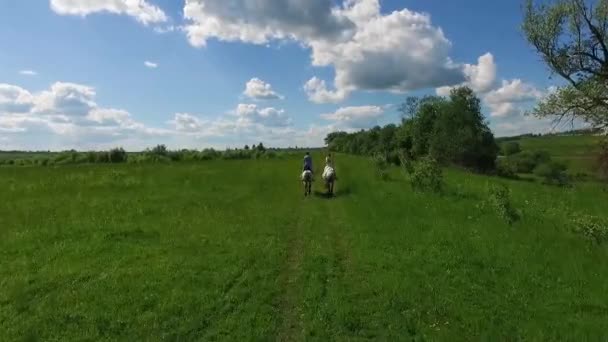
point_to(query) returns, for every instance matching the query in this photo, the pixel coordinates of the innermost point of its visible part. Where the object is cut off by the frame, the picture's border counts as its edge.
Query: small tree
(117, 155)
(261, 147)
(571, 37)
(246, 147)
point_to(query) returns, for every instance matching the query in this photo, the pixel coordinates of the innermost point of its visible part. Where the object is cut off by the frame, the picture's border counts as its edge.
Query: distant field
(230, 250)
(577, 151)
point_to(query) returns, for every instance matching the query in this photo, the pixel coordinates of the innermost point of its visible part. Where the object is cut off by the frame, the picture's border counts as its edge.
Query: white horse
(329, 176)
(307, 181)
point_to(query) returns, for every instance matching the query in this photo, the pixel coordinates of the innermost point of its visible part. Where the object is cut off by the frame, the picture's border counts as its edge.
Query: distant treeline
(157, 154)
(451, 130)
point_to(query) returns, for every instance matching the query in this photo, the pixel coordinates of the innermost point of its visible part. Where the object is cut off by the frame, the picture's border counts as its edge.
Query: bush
(527, 161)
(209, 154)
(552, 173)
(592, 228)
(507, 168)
(499, 199)
(381, 166)
(511, 148)
(427, 175)
(406, 161)
(117, 155)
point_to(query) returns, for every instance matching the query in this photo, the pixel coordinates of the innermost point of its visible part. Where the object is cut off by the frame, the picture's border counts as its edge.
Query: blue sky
(73, 74)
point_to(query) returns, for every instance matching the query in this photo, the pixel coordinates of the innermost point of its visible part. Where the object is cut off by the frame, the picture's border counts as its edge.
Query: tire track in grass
(290, 302)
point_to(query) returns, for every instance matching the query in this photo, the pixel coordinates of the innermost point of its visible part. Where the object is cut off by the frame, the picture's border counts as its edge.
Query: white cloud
(14, 99)
(259, 90)
(151, 65)
(317, 92)
(67, 99)
(67, 114)
(511, 97)
(184, 122)
(355, 117)
(480, 77)
(397, 52)
(141, 10)
(28, 72)
(250, 114)
(260, 21)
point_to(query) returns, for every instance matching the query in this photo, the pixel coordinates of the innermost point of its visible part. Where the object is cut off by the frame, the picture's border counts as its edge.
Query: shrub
(507, 168)
(393, 158)
(406, 161)
(499, 199)
(552, 173)
(527, 161)
(159, 150)
(592, 228)
(427, 175)
(209, 154)
(117, 155)
(102, 157)
(381, 166)
(511, 148)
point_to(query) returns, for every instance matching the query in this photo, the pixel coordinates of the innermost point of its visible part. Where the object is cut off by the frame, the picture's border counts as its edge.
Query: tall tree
(571, 37)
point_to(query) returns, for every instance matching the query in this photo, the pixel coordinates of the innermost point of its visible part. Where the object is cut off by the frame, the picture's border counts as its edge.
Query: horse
(307, 181)
(329, 176)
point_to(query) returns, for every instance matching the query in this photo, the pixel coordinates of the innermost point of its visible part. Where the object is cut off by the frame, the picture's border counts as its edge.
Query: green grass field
(579, 152)
(231, 250)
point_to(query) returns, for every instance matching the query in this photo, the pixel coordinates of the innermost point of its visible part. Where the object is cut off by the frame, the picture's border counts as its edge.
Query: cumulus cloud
(259, 90)
(184, 122)
(141, 10)
(259, 21)
(28, 72)
(65, 112)
(68, 99)
(354, 37)
(14, 99)
(317, 92)
(511, 97)
(151, 65)
(480, 77)
(355, 117)
(249, 114)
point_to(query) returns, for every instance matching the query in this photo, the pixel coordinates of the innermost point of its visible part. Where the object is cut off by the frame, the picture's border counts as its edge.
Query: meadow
(578, 152)
(231, 250)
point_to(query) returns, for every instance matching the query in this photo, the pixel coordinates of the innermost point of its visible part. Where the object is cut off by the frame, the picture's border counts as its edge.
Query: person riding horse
(307, 162)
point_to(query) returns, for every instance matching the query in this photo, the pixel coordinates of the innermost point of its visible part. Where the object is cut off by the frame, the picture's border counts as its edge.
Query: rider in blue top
(307, 162)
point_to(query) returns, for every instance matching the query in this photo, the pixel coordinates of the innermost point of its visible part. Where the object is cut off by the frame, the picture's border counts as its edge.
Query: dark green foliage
(427, 175)
(451, 130)
(552, 173)
(511, 148)
(602, 160)
(527, 161)
(117, 155)
(499, 199)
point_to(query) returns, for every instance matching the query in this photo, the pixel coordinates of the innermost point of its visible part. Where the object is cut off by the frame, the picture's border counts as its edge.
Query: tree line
(451, 130)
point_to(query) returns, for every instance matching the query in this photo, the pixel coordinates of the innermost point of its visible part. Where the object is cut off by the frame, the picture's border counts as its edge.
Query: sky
(97, 74)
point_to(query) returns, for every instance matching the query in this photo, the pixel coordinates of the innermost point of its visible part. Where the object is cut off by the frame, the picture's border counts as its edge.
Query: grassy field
(231, 250)
(579, 152)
